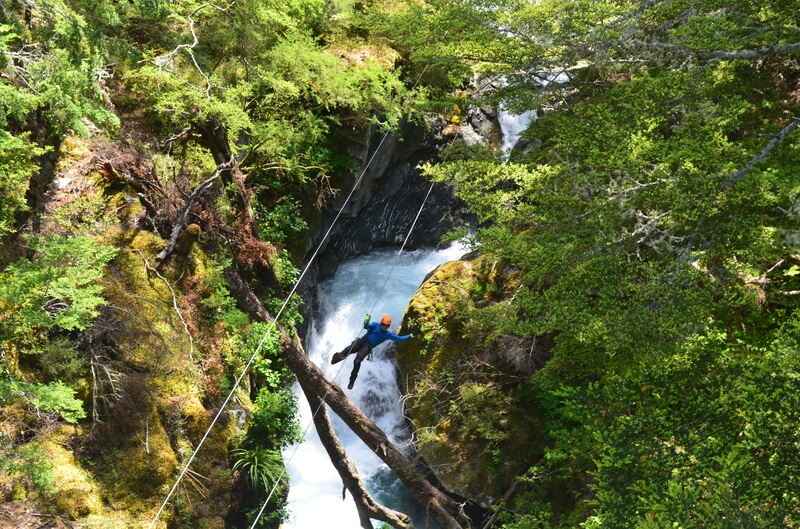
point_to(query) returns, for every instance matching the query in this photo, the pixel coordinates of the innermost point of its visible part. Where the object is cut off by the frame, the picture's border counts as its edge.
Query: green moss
(77, 494)
(470, 429)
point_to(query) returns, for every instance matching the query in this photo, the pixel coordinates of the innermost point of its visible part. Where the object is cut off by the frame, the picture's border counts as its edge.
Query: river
(385, 281)
(315, 497)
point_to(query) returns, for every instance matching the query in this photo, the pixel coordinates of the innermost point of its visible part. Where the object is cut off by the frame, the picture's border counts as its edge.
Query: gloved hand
(411, 334)
(366, 319)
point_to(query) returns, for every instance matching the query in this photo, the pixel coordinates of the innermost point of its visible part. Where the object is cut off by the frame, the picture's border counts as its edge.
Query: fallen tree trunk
(447, 511)
(366, 506)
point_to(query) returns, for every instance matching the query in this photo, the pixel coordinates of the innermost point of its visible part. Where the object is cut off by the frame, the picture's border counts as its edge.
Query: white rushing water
(512, 127)
(315, 497)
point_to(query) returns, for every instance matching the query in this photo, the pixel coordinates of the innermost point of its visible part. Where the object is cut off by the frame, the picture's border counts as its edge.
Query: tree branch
(183, 219)
(447, 511)
(366, 506)
(738, 175)
(735, 177)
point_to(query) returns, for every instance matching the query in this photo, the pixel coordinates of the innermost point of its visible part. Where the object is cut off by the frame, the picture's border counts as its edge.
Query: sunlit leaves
(57, 288)
(16, 167)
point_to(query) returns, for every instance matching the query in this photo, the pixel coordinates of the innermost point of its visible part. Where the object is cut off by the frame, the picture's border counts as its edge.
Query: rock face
(391, 192)
(477, 425)
(385, 204)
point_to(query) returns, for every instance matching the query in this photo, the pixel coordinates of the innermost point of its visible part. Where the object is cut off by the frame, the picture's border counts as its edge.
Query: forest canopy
(636, 252)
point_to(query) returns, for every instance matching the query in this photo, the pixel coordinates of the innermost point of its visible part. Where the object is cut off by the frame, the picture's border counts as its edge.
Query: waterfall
(315, 497)
(512, 127)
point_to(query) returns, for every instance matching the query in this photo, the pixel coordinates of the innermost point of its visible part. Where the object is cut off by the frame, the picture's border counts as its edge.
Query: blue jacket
(376, 336)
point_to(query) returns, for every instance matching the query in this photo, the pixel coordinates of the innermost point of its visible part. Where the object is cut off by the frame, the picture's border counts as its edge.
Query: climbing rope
(399, 253)
(266, 334)
(271, 326)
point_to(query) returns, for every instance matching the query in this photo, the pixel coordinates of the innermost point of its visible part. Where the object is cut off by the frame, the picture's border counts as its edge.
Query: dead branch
(183, 219)
(735, 177)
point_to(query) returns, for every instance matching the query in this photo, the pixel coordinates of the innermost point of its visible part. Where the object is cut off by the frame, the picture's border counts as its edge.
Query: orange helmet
(386, 320)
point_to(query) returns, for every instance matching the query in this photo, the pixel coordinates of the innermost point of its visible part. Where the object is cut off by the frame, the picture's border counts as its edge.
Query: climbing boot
(337, 357)
(350, 385)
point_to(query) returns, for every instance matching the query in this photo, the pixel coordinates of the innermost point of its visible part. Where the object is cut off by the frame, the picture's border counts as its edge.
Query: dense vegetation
(124, 124)
(636, 286)
(643, 246)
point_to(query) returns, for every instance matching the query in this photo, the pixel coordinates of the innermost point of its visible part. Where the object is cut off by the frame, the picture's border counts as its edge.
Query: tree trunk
(447, 511)
(367, 507)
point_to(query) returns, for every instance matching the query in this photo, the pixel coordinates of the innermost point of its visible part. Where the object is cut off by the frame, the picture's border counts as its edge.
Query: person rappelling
(377, 333)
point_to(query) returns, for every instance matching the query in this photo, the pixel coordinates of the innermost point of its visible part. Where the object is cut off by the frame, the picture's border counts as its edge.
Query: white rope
(272, 325)
(266, 333)
(402, 247)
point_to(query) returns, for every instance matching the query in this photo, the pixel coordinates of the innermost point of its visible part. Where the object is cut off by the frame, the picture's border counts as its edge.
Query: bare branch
(735, 177)
(163, 60)
(181, 223)
(174, 302)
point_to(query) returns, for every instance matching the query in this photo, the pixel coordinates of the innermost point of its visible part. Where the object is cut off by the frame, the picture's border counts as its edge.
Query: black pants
(362, 348)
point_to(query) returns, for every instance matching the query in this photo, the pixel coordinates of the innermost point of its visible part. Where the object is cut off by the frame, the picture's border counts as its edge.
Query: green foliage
(263, 340)
(62, 72)
(57, 288)
(300, 68)
(30, 464)
(261, 467)
(281, 223)
(218, 300)
(17, 152)
(649, 241)
(16, 167)
(274, 423)
(60, 360)
(54, 399)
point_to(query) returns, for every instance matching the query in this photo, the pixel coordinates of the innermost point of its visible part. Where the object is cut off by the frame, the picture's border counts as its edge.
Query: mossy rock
(155, 339)
(429, 316)
(471, 430)
(73, 503)
(78, 494)
(358, 53)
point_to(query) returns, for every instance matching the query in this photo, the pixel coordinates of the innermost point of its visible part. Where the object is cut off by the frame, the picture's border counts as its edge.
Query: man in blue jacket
(377, 333)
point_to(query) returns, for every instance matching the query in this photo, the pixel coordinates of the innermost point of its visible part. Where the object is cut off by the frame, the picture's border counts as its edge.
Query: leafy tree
(274, 424)
(56, 399)
(31, 464)
(16, 168)
(650, 234)
(62, 69)
(17, 152)
(58, 288)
